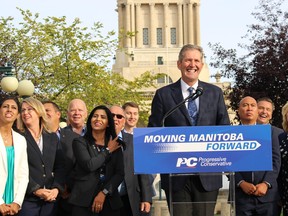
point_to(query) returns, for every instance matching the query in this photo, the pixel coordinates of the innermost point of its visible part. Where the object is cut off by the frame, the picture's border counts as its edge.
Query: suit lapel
(46, 146)
(125, 152)
(32, 143)
(202, 102)
(3, 154)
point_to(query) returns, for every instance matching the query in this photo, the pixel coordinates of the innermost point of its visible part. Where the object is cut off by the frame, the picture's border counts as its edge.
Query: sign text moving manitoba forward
(202, 149)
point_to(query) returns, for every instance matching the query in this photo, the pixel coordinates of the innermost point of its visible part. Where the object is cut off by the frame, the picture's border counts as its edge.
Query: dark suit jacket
(87, 174)
(212, 111)
(261, 176)
(139, 187)
(66, 138)
(45, 170)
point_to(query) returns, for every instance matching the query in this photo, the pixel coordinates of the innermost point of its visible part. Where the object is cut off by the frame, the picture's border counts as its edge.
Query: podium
(224, 204)
(202, 150)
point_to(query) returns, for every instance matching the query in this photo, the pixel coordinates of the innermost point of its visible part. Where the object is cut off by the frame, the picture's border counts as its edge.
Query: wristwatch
(105, 191)
(268, 184)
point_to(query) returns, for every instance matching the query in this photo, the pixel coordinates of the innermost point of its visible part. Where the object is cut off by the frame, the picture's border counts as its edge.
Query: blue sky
(223, 21)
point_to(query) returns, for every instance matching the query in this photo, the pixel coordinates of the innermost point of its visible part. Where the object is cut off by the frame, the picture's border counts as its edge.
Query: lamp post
(9, 83)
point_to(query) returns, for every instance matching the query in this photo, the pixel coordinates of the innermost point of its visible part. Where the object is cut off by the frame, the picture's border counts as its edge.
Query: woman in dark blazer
(45, 160)
(99, 167)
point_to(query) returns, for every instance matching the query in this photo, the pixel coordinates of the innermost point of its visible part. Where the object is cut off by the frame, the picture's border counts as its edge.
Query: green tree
(263, 71)
(66, 61)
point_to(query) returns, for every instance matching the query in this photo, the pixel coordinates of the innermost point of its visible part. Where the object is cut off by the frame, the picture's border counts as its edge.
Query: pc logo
(187, 162)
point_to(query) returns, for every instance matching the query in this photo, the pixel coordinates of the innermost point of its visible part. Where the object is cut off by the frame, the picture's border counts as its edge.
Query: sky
(223, 21)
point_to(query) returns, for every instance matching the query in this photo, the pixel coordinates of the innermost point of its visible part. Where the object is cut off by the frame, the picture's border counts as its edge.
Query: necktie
(192, 108)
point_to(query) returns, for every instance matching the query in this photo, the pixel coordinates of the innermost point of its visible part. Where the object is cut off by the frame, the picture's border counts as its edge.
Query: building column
(166, 27)
(152, 26)
(190, 24)
(185, 24)
(128, 25)
(133, 25)
(139, 33)
(197, 23)
(179, 28)
(120, 25)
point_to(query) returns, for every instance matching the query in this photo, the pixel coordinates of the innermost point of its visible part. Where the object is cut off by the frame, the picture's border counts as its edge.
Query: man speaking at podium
(192, 195)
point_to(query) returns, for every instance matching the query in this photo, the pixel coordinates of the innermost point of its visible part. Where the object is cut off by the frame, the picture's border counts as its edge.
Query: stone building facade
(151, 34)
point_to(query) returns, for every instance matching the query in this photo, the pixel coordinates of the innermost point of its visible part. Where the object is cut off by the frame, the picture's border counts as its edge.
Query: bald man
(257, 192)
(77, 114)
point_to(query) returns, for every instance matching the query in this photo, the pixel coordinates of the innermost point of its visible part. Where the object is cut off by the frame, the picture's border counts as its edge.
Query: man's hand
(145, 207)
(248, 188)
(261, 189)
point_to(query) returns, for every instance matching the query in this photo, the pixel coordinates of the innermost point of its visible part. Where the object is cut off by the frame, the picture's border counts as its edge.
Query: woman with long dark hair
(99, 167)
(14, 174)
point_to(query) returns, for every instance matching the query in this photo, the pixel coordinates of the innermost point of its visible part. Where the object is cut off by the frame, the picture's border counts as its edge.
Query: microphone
(194, 96)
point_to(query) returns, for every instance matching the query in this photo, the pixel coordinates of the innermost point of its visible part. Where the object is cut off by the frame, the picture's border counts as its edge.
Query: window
(160, 60)
(159, 36)
(145, 36)
(173, 35)
(164, 79)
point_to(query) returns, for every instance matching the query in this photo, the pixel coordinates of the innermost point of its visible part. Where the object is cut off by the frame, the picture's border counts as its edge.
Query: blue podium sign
(202, 149)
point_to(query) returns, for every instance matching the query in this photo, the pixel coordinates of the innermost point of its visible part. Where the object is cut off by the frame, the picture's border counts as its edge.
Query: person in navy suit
(45, 160)
(257, 192)
(211, 110)
(66, 138)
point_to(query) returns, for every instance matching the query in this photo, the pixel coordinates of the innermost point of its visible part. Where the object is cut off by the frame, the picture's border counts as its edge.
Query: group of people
(87, 168)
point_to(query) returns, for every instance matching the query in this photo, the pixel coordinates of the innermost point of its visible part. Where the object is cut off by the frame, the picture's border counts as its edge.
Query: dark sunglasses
(119, 116)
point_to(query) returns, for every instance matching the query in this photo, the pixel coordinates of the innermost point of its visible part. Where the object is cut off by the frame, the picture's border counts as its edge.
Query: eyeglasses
(119, 116)
(29, 110)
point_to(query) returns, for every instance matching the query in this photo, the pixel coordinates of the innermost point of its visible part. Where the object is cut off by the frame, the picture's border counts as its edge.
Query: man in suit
(136, 190)
(66, 138)
(257, 192)
(187, 190)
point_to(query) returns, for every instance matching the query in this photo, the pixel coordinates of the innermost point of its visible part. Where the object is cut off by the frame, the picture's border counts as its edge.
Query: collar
(185, 86)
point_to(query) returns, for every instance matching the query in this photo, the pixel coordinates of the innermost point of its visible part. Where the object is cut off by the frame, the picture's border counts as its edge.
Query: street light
(9, 83)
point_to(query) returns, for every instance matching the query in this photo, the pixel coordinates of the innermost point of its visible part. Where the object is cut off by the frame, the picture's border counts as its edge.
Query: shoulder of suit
(176, 84)
(69, 132)
(124, 134)
(17, 135)
(277, 130)
(51, 135)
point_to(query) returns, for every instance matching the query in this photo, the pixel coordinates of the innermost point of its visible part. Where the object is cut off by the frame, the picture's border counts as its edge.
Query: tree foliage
(66, 61)
(263, 72)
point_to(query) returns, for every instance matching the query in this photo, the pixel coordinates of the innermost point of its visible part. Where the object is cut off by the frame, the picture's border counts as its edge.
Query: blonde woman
(13, 159)
(283, 176)
(45, 161)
